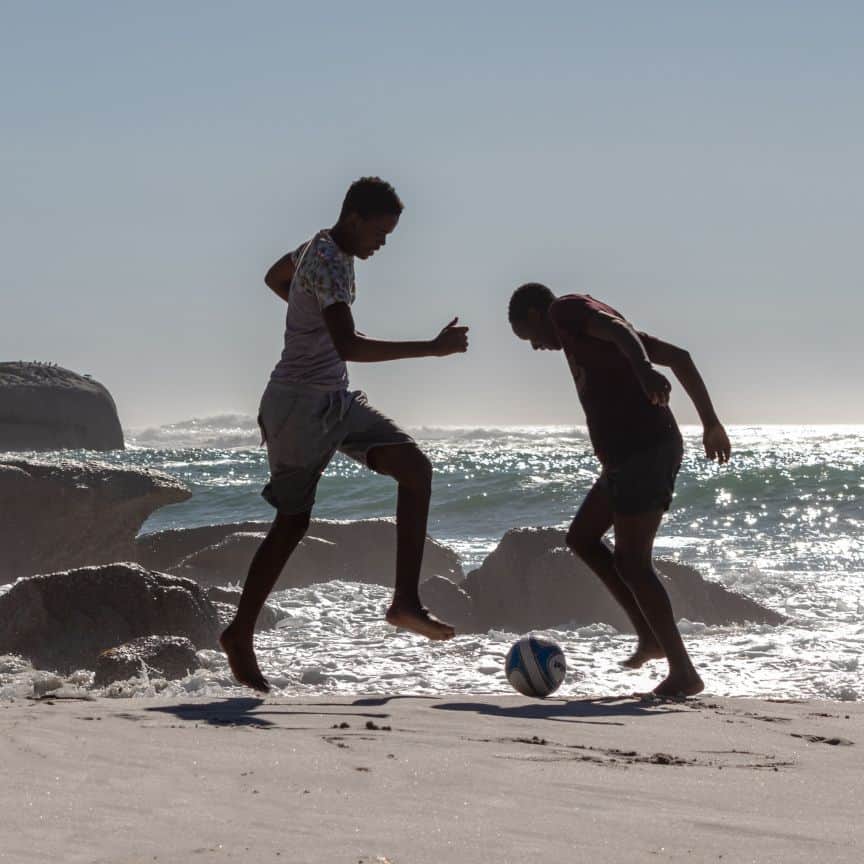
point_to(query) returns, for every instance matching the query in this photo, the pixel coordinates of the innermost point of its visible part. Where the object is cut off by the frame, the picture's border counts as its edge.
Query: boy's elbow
(681, 359)
(346, 349)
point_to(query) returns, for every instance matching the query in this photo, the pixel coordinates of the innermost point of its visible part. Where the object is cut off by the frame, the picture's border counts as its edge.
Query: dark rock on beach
(448, 602)
(225, 601)
(531, 581)
(64, 620)
(54, 516)
(164, 550)
(361, 551)
(44, 407)
(170, 657)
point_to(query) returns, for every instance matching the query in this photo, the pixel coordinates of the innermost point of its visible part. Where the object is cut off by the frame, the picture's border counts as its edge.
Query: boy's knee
(293, 526)
(417, 474)
(631, 568)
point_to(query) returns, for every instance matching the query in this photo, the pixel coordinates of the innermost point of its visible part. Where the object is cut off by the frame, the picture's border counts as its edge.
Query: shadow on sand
(247, 712)
(600, 710)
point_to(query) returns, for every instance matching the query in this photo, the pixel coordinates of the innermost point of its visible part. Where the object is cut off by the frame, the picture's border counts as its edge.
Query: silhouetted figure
(636, 439)
(307, 413)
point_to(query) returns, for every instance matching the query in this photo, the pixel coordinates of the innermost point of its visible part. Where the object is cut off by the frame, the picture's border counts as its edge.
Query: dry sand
(416, 781)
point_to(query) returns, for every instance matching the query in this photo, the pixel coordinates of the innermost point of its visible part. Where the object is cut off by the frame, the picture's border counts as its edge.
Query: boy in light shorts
(307, 413)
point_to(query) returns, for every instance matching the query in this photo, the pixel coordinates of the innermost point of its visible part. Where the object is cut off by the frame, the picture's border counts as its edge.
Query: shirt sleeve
(328, 277)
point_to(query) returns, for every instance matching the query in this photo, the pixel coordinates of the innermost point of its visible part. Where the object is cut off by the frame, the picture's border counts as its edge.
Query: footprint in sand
(821, 739)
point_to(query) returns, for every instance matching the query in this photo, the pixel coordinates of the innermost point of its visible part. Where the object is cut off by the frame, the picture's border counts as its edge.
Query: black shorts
(644, 481)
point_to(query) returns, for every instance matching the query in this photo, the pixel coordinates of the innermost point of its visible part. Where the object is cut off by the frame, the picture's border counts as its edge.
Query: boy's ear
(351, 220)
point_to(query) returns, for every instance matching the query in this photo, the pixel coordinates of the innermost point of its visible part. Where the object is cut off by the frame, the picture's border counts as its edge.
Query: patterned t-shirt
(323, 275)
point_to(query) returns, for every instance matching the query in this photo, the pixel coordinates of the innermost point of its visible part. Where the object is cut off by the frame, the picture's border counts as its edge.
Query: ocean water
(782, 523)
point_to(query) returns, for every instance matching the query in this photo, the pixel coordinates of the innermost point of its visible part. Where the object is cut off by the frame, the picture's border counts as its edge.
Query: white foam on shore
(334, 641)
(783, 523)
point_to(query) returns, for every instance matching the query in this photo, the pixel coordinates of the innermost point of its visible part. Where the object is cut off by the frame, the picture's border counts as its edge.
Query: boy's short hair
(371, 196)
(531, 295)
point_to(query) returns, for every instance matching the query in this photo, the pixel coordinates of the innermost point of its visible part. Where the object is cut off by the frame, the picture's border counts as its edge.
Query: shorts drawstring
(337, 401)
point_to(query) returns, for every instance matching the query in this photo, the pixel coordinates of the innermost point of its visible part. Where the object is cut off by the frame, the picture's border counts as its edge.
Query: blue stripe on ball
(535, 666)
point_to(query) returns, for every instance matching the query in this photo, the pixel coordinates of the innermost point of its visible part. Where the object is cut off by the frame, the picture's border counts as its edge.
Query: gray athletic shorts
(303, 428)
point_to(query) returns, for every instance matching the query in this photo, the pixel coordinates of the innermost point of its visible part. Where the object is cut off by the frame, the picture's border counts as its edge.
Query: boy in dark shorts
(636, 439)
(307, 413)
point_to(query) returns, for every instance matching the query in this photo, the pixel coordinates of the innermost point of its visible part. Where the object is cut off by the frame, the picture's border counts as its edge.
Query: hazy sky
(696, 164)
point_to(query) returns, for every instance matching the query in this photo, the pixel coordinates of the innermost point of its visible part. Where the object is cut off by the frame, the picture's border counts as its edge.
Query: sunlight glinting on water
(782, 524)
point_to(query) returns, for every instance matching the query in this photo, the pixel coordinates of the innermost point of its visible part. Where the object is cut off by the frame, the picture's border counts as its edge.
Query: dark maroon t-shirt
(621, 420)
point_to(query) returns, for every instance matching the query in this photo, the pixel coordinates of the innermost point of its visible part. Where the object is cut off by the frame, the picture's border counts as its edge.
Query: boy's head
(370, 212)
(529, 316)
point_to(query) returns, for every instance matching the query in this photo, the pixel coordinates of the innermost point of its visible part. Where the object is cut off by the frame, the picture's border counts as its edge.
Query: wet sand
(486, 780)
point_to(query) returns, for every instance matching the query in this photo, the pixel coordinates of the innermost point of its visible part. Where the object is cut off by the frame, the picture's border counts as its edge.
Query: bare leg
(237, 640)
(634, 542)
(413, 472)
(585, 539)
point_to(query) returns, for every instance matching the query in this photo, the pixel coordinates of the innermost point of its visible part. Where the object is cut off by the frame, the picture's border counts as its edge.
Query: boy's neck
(338, 235)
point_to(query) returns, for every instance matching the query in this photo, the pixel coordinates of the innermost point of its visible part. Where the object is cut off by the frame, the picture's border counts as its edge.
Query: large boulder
(370, 551)
(55, 516)
(170, 657)
(225, 600)
(532, 581)
(44, 407)
(64, 620)
(170, 548)
(361, 551)
(226, 562)
(449, 602)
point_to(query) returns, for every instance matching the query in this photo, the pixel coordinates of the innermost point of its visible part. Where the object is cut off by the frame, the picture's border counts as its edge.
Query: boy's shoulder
(323, 271)
(575, 308)
(323, 248)
(320, 259)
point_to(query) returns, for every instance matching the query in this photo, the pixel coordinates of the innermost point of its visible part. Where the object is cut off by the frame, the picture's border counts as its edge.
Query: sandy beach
(420, 780)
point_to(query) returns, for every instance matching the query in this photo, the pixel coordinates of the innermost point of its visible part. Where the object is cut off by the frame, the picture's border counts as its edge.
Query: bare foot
(642, 655)
(242, 660)
(419, 620)
(679, 686)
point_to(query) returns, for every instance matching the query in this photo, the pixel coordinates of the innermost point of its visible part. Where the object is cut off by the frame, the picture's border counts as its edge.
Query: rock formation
(361, 551)
(45, 407)
(225, 601)
(531, 581)
(54, 516)
(449, 602)
(64, 620)
(168, 657)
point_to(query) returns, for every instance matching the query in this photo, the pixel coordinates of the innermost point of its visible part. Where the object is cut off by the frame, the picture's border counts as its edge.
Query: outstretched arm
(358, 348)
(715, 439)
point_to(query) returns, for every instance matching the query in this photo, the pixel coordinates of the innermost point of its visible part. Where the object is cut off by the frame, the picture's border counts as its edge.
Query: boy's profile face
(537, 329)
(369, 234)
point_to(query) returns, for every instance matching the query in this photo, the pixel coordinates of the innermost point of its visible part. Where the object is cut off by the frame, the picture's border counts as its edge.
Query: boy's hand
(716, 443)
(655, 385)
(451, 340)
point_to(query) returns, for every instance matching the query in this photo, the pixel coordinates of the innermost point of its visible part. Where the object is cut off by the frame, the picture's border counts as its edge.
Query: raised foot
(642, 655)
(242, 660)
(679, 686)
(419, 620)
